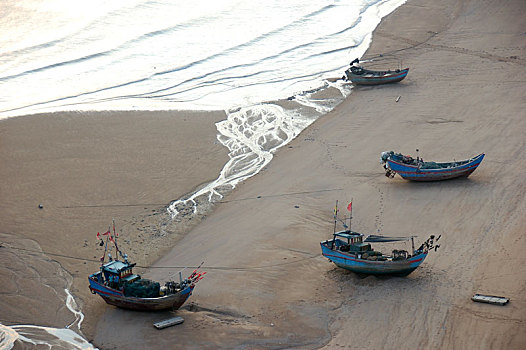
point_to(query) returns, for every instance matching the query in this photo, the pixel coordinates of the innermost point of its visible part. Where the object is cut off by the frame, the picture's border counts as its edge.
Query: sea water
(236, 56)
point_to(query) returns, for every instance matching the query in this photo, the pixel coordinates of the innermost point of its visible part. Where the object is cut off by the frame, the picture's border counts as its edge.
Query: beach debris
(168, 322)
(40, 206)
(490, 299)
(398, 99)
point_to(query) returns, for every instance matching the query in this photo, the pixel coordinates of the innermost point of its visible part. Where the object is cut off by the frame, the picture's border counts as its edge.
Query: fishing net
(142, 288)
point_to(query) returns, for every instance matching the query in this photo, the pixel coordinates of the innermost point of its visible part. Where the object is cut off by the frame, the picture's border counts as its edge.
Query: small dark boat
(119, 286)
(350, 251)
(361, 76)
(417, 170)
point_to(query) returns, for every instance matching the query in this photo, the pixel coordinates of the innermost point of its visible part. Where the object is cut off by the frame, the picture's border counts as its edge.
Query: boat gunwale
(347, 256)
(465, 162)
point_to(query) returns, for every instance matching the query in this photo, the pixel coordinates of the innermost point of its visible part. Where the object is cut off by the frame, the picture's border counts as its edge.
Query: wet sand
(267, 285)
(86, 169)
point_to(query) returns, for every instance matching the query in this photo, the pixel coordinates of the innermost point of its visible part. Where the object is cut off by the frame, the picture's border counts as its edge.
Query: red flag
(104, 234)
(349, 207)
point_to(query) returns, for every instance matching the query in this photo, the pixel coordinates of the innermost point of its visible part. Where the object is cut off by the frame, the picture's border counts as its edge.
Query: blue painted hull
(362, 266)
(117, 298)
(377, 78)
(412, 172)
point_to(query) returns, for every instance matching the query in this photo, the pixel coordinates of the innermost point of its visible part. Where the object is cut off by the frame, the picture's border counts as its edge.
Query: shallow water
(149, 55)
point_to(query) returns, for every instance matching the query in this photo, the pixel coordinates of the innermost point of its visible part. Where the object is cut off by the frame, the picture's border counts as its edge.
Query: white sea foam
(8, 336)
(61, 338)
(251, 134)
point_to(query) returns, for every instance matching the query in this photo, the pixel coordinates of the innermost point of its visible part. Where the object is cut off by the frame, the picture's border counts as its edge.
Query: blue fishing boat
(116, 283)
(349, 250)
(361, 76)
(417, 170)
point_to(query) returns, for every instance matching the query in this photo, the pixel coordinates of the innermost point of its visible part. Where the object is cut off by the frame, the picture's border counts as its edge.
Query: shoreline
(271, 225)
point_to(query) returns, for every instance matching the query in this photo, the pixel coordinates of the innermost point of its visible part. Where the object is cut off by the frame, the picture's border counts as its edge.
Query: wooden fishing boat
(348, 249)
(361, 76)
(116, 283)
(417, 170)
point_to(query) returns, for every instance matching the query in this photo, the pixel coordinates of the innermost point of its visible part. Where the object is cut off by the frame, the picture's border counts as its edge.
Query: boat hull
(117, 298)
(369, 267)
(392, 77)
(411, 172)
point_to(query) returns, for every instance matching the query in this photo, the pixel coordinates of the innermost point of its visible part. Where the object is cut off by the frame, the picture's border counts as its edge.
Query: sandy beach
(267, 285)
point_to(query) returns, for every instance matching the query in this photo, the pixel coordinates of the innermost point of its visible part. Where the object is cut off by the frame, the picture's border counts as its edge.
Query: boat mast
(349, 207)
(117, 251)
(105, 249)
(350, 218)
(335, 215)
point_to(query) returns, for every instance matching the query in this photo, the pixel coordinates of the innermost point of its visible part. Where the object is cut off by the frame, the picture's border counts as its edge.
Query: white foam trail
(251, 134)
(307, 101)
(8, 336)
(51, 337)
(72, 306)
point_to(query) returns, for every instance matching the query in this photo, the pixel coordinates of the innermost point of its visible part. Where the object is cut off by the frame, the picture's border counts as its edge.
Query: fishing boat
(361, 76)
(349, 250)
(116, 283)
(417, 170)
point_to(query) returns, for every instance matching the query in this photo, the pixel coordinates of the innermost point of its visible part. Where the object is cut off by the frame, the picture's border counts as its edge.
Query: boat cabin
(352, 243)
(348, 241)
(115, 273)
(350, 236)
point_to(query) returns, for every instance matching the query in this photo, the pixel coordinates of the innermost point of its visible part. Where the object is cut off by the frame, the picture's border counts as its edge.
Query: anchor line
(224, 268)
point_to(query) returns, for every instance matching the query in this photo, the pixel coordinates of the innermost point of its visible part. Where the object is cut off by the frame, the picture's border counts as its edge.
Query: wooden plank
(168, 322)
(490, 299)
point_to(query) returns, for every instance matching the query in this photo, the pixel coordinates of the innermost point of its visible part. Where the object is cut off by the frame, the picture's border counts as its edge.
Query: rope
(225, 268)
(225, 201)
